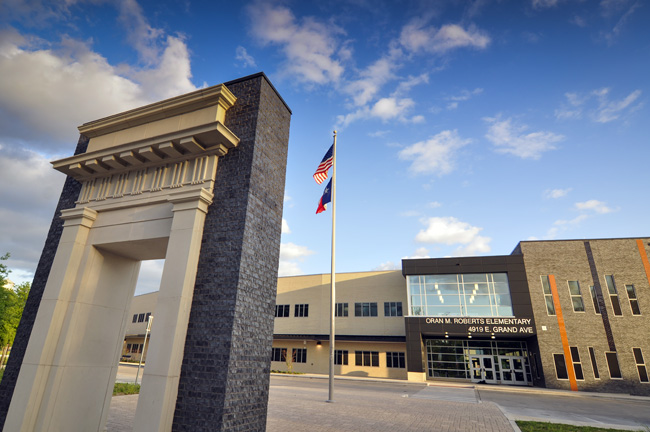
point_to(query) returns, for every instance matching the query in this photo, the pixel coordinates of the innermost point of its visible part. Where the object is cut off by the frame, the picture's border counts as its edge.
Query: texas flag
(326, 198)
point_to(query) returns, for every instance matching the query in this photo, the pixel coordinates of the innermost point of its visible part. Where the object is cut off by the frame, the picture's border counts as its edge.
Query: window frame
(564, 365)
(594, 298)
(577, 363)
(634, 299)
(594, 363)
(388, 306)
(360, 306)
(299, 355)
(613, 292)
(360, 358)
(393, 357)
(282, 354)
(285, 308)
(141, 317)
(341, 357)
(301, 310)
(545, 278)
(342, 308)
(574, 296)
(135, 318)
(640, 366)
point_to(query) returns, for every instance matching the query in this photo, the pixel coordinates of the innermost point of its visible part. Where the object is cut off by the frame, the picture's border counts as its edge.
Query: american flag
(321, 172)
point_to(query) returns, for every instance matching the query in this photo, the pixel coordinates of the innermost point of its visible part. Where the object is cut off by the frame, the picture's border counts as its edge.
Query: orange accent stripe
(644, 258)
(563, 335)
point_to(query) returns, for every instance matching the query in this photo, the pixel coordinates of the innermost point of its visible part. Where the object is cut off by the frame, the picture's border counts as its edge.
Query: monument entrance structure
(199, 181)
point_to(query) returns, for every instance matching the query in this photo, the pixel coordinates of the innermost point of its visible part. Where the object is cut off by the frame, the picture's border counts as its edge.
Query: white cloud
(451, 231)
(142, 36)
(508, 137)
(436, 155)
(291, 255)
(597, 105)
(434, 204)
(463, 96)
(285, 227)
(365, 88)
(415, 37)
(556, 193)
(594, 205)
(388, 265)
(544, 4)
(390, 108)
(309, 46)
(246, 59)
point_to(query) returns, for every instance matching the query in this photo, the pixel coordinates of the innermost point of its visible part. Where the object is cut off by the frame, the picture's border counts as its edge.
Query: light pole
(144, 346)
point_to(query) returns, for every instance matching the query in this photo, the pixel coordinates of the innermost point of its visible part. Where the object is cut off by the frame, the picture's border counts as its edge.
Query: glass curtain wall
(480, 294)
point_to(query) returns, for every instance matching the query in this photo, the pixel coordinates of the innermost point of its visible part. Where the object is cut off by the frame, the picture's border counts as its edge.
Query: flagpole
(333, 280)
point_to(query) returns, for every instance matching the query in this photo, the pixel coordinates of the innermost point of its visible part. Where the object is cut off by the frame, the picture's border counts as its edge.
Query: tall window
(576, 296)
(393, 309)
(548, 295)
(612, 364)
(577, 364)
(365, 309)
(366, 358)
(341, 310)
(560, 366)
(476, 294)
(299, 355)
(640, 365)
(302, 310)
(594, 298)
(341, 357)
(281, 311)
(135, 318)
(395, 360)
(594, 365)
(279, 354)
(634, 302)
(141, 317)
(146, 317)
(613, 294)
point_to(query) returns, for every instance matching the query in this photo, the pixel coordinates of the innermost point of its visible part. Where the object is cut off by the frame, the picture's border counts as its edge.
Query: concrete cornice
(214, 95)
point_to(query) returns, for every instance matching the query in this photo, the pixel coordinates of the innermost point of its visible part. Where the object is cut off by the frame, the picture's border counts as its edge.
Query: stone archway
(148, 177)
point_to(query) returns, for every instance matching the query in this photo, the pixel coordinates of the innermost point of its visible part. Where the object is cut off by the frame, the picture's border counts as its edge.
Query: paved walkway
(377, 409)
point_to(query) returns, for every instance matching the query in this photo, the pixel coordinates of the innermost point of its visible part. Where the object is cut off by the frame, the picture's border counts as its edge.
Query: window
(365, 309)
(128, 348)
(281, 311)
(393, 309)
(395, 360)
(341, 310)
(594, 365)
(576, 296)
(577, 365)
(613, 294)
(634, 302)
(476, 294)
(302, 310)
(141, 317)
(560, 367)
(594, 298)
(146, 317)
(366, 358)
(548, 295)
(135, 318)
(279, 354)
(640, 365)
(341, 357)
(299, 355)
(612, 364)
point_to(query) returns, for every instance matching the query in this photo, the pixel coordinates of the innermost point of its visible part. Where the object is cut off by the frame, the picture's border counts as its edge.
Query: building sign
(487, 326)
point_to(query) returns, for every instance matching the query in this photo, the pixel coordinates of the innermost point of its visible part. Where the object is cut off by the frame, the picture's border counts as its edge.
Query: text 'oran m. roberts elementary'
(565, 314)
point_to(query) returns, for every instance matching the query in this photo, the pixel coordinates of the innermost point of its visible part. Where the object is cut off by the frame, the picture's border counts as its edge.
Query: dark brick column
(69, 195)
(224, 380)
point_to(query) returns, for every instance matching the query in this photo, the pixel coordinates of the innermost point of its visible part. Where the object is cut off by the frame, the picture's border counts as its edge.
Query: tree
(12, 303)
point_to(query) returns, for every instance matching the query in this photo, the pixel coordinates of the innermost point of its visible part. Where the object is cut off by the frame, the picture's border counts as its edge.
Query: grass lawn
(531, 426)
(125, 389)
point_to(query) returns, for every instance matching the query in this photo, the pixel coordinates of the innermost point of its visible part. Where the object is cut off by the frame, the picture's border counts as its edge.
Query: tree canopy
(12, 303)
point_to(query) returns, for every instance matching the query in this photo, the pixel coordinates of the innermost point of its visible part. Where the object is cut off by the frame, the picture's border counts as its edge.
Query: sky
(464, 127)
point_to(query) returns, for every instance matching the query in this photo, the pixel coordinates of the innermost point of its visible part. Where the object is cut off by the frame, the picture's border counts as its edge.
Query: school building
(566, 314)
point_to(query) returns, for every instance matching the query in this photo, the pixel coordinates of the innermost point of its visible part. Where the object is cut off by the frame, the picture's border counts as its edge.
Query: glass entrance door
(512, 370)
(482, 369)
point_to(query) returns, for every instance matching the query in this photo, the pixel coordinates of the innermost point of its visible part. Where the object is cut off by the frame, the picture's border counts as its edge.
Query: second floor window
(302, 310)
(341, 310)
(393, 309)
(281, 311)
(365, 309)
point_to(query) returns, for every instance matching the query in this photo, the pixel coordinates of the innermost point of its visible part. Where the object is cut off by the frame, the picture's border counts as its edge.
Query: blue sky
(463, 126)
